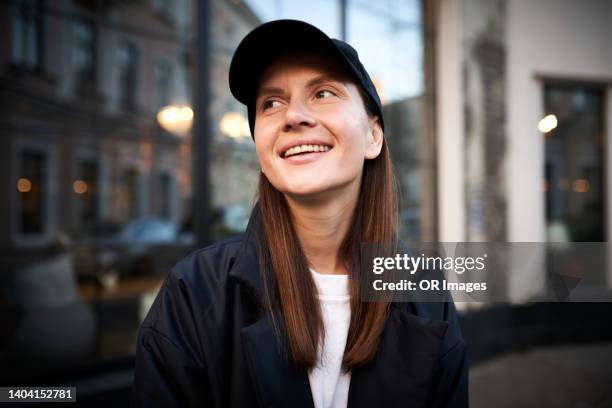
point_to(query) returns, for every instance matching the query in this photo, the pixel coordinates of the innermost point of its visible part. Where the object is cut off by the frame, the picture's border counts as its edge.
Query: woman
(275, 318)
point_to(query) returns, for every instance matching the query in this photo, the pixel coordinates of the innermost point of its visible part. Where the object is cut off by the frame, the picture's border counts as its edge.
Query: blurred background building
(498, 116)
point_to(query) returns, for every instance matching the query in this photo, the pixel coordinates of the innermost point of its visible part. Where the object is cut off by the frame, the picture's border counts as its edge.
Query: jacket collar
(404, 366)
(246, 267)
(402, 372)
(277, 381)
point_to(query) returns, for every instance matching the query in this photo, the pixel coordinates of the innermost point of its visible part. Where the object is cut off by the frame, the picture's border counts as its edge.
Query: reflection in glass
(89, 165)
(128, 71)
(163, 78)
(574, 164)
(83, 49)
(107, 188)
(32, 188)
(26, 33)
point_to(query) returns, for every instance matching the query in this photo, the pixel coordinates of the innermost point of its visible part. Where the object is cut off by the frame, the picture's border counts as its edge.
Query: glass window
(32, 192)
(128, 73)
(162, 6)
(83, 49)
(97, 224)
(165, 11)
(163, 82)
(26, 34)
(574, 167)
(114, 191)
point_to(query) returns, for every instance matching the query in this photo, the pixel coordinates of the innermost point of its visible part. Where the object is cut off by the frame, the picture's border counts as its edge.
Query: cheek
(353, 138)
(264, 143)
(349, 124)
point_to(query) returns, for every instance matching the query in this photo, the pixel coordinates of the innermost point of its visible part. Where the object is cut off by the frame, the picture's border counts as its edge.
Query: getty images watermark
(413, 264)
(487, 272)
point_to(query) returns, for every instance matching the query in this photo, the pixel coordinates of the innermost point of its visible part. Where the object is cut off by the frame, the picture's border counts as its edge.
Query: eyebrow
(318, 80)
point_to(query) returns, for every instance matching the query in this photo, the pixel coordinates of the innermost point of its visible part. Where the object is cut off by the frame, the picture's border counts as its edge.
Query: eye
(270, 103)
(324, 93)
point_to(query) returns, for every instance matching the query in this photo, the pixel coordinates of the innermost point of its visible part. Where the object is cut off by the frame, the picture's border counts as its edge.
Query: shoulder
(208, 267)
(195, 284)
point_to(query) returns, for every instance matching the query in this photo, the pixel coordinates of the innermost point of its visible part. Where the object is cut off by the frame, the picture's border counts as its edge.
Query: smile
(304, 149)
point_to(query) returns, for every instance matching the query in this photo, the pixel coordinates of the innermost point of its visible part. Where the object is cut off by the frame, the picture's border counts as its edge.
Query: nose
(296, 116)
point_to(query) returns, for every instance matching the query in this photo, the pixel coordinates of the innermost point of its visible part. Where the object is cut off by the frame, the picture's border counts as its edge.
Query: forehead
(303, 64)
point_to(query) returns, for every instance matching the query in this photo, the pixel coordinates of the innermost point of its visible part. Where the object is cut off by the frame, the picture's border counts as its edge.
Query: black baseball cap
(271, 40)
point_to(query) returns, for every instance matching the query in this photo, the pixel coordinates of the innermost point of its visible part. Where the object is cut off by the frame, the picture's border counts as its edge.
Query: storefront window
(163, 76)
(128, 73)
(97, 191)
(103, 179)
(26, 30)
(574, 168)
(32, 187)
(83, 51)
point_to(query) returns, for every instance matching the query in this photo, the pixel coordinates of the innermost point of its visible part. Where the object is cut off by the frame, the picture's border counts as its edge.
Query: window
(128, 73)
(82, 174)
(574, 168)
(163, 8)
(32, 189)
(163, 78)
(83, 50)
(161, 5)
(26, 49)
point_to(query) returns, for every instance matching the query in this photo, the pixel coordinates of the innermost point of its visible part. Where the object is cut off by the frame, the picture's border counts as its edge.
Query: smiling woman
(275, 318)
(306, 100)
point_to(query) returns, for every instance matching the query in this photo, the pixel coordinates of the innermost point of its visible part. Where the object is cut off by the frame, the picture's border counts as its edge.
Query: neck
(321, 224)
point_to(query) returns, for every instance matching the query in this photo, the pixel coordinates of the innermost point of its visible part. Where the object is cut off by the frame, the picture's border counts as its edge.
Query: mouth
(306, 149)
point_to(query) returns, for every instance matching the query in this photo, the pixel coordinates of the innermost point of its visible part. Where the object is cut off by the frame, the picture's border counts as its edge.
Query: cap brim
(268, 42)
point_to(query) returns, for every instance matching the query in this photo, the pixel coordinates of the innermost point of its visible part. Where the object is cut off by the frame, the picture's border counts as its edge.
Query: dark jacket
(207, 342)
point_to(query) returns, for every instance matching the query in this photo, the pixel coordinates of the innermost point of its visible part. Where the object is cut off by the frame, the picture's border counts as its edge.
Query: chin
(302, 188)
(313, 189)
(305, 190)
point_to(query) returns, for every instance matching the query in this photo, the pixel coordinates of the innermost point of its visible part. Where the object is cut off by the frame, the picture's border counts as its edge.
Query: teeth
(305, 148)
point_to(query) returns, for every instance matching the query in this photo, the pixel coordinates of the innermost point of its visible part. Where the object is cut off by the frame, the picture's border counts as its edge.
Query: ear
(374, 139)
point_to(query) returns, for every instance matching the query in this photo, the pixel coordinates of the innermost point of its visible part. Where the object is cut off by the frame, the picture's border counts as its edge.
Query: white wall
(561, 38)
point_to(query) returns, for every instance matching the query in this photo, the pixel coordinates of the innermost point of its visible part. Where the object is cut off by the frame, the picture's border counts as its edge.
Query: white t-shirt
(328, 385)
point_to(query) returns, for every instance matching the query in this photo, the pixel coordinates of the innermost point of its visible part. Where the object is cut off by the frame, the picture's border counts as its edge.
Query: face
(312, 132)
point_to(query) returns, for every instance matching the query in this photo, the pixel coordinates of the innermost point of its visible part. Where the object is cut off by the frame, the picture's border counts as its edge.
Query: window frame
(48, 149)
(37, 22)
(82, 76)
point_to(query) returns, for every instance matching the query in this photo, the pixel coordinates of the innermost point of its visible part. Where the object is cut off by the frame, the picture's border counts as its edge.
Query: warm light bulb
(176, 119)
(548, 123)
(24, 185)
(79, 187)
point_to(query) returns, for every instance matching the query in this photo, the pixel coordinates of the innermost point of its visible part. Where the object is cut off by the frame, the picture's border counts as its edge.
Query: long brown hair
(374, 221)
